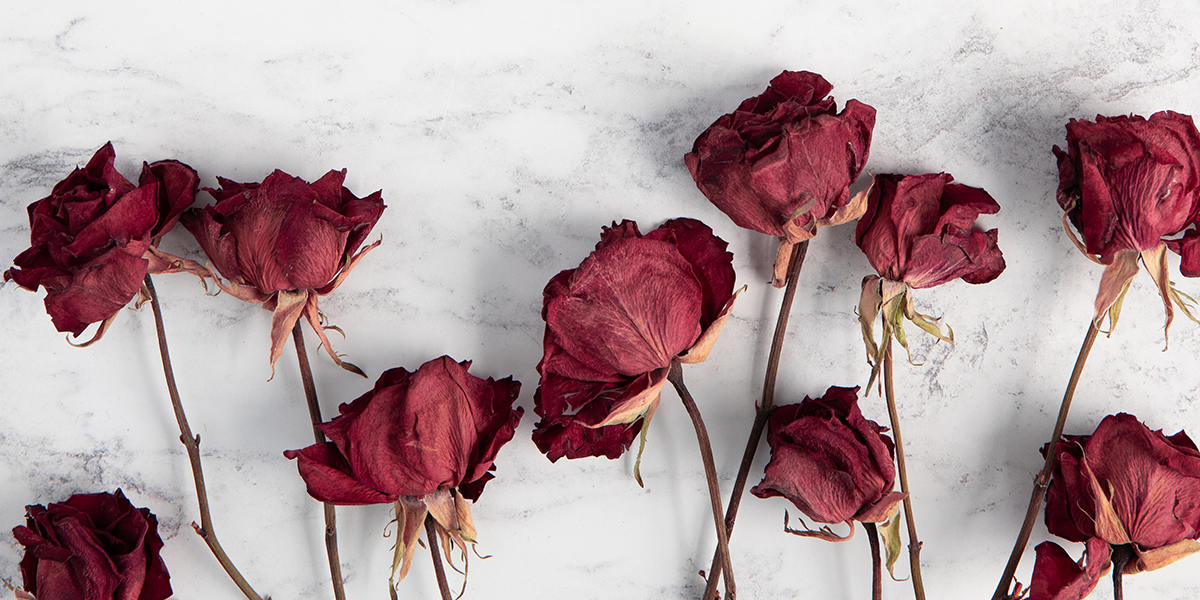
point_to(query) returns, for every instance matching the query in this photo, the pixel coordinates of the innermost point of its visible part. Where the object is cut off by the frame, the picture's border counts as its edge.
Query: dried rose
(92, 547)
(917, 233)
(1057, 577)
(1126, 484)
(1126, 184)
(783, 162)
(284, 242)
(425, 441)
(831, 462)
(615, 324)
(93, 239)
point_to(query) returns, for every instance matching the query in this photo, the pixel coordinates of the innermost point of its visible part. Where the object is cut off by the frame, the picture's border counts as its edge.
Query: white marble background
(503, 136)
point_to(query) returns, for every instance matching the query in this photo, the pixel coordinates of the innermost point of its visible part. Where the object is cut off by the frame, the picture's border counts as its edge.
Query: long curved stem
(1043, 477)
(438, 570)
(192, 443)
(876, 567)
(675, 376)
(763, 413)
(314, 413)
(914, 542)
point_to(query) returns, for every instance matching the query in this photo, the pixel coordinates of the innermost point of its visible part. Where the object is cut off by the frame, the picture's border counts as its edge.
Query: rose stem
(914, 542)
(438, 569)
(1120, 557)
(763, 413)
(876, 567)
(314, 412)
(675, 376)
(192, 443)
(1043, 477)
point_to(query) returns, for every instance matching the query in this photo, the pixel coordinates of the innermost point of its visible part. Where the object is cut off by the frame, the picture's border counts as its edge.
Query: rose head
(918, 232)
(783, 162)
(92, 240)
(92, 547)
(830, 461)
(425, 441)
(284, 242)
(1126, 184)
(1126, 484)
(615, 324)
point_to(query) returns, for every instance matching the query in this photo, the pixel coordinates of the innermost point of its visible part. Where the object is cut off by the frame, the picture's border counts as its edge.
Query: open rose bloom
(783, 162)
(92, 547)
(917, 233)
(94, 238)
(425, 441)
(284, 242)
(1122, 485)
(615, 324)
(831, 462)
(1128, 186)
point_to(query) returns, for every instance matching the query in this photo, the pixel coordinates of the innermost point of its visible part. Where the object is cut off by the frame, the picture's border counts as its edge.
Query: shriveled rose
(1126, 484)
(615, 324)
(783, 162)
(1057, 577)
(92, 547)
(425, 441)
(92, 240)
(918, 233)
(284, 242)
(831, 462)
(1127, 184)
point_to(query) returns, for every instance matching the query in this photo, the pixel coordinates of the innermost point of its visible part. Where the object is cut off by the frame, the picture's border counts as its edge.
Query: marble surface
(503, 136)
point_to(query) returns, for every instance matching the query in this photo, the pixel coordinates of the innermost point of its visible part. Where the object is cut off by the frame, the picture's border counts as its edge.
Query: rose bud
(783, 162)
(615, 324)
(425, 441)
(284, 242)
(1126, 183)
(918, 233)
(1126, 484)
(94, 238)
(1057, 577)
(92, 547)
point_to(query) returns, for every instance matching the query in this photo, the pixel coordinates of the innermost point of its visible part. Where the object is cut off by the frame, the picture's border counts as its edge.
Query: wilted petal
(1057, 577)
(329, 478)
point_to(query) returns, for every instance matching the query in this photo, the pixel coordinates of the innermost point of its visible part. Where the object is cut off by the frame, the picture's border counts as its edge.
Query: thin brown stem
(314, 413)
(1121, 555)
(876, 566)
(1042, 481)
(192, 443)
(914, 542)
(675, 376)
(763, 413)
(438, 569)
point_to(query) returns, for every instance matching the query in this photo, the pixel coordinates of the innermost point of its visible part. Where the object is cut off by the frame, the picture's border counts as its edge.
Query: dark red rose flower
(1126, 484)
(1126, 184)
(615, 324)
(92, 547)
(918, 233)
(425, 441)
(783, 162)
(831, 462)
(284, 242)
(92, 240)
(1057, 577)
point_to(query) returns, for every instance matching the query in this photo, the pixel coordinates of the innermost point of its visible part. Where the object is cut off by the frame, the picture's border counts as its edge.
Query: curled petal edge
(699, 351)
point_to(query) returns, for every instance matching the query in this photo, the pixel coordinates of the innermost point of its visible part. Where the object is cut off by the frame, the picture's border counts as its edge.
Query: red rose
(424, 440)
(284, 242)
(783, 162)
(615, 324)
(92, 547)
(830, 461)
(918, 233)
(1057, 577)
(1126, 484)
(92, 239)
(1126, 184)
